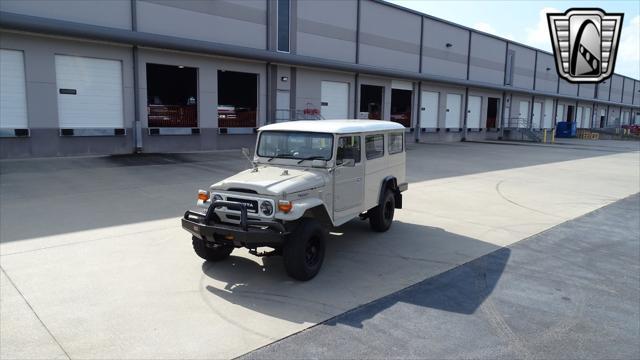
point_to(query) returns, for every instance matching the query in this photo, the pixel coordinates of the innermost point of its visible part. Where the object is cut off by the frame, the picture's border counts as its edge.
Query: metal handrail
(517, 122)
(297, 114)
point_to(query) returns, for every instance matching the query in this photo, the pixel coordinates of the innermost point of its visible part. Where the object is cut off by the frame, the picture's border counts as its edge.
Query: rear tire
(213, 253)
(381, 217)
(304, 250)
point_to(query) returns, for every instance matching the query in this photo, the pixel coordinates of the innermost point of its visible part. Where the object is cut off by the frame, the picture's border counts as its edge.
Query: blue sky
(525, 22)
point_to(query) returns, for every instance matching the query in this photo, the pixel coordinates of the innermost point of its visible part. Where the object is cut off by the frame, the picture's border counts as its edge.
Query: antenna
(247, 156)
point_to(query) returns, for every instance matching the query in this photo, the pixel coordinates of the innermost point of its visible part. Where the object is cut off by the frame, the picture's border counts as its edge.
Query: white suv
(307, 177)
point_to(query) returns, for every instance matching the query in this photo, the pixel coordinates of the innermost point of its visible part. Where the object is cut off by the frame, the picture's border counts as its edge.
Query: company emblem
(585, 43)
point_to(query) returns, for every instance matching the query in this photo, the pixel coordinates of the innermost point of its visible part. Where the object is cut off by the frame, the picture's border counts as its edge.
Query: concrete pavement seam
(35, 314)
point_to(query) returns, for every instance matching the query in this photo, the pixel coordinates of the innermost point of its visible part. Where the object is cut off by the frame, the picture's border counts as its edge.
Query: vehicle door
(348, 176)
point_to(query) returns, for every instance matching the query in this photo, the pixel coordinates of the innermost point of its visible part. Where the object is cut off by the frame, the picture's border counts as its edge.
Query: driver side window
(349, 148)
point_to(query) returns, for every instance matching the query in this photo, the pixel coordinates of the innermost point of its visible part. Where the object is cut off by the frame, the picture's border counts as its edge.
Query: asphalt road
(571, 292)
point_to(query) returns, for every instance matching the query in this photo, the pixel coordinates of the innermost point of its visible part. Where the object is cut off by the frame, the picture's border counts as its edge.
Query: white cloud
(628, 61)
(538, 35)
(488, 28)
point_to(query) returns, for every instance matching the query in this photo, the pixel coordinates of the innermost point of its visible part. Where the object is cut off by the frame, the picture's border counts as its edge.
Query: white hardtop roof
(334, 126)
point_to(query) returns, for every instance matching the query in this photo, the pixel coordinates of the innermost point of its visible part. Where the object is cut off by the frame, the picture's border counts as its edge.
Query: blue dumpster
(566, 129)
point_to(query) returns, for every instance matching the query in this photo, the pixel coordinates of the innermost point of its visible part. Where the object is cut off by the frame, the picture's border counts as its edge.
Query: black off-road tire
(304, 250)
(215, 253)
(381, 217)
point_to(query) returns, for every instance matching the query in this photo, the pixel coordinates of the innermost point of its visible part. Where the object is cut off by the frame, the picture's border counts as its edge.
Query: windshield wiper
(315, 157)
(279, 156)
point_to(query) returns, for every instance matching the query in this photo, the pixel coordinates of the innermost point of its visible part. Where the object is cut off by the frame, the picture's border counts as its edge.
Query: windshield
(295, 145)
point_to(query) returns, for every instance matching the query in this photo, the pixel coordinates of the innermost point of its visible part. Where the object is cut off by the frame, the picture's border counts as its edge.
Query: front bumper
(249, 233)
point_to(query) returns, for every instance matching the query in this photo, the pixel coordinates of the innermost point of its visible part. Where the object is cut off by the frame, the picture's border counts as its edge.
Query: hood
(273, 180)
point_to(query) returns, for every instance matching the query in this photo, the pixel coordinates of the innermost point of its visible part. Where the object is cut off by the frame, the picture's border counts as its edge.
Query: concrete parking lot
(95, 264)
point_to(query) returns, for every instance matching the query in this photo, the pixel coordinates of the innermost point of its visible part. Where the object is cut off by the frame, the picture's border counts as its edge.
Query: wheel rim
(388, 211)
(313, 251)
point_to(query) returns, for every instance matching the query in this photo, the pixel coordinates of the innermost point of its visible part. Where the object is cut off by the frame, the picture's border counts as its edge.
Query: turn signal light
(285, 206)
(203, 195)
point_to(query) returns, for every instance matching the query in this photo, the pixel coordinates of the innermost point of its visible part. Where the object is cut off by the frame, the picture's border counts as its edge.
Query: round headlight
(217, 197)
(266, 208)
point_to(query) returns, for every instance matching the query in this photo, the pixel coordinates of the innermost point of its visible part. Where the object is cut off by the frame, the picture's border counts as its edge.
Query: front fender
(299, 208)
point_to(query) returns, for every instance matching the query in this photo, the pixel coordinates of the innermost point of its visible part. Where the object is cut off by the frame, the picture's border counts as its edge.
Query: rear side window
(374, 146)
(396, 143)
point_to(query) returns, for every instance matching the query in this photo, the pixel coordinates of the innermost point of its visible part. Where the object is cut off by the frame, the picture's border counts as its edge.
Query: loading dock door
(548, 113)
(537, 112)
(579, 117)
(371, 100)
(283, 108)
(89, 92)
(492, 112)
(473, 110)
(560, 113)
(452, 112)
(13, 98)
(523, 115)
(587, 118)
(237, 99)
(334, 97)
(429, 110)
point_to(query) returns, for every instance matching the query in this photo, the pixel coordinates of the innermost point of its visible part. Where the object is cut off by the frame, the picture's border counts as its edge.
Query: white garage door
(586, 121)
(473, 109)
(452, 117)
(429, 110)
(523, 114)
(13, 94)
(89, 92)
(335, 100)
(579, 117)
(537, 113)
(560, 113)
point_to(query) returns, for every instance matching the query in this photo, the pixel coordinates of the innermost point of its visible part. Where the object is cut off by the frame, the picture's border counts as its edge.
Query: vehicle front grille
(252, 205)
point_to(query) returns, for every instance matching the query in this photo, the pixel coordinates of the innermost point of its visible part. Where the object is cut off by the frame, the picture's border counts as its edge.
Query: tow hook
(274, 252)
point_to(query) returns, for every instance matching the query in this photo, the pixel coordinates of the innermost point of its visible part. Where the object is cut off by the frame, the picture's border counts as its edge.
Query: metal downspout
(136, 101)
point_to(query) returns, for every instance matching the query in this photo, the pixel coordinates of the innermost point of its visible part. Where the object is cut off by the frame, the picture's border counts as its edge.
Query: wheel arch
(390, 183)
(320, 213)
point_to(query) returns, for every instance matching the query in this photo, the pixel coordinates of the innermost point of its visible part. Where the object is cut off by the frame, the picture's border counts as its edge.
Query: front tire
(381, 217)
(304, 251)
(214, 253)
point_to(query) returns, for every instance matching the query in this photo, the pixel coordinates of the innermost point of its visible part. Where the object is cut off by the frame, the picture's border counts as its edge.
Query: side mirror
(318, 163)
(348, 162)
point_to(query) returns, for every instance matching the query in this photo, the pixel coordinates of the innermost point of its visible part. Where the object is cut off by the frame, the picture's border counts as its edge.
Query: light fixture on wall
(284, 78)
(180, 66)
(448, 45)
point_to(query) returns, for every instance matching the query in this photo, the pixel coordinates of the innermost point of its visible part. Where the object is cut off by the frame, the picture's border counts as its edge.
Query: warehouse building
(118, 76)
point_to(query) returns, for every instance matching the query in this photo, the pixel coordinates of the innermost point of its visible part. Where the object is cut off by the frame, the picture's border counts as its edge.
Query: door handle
(358, 179)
